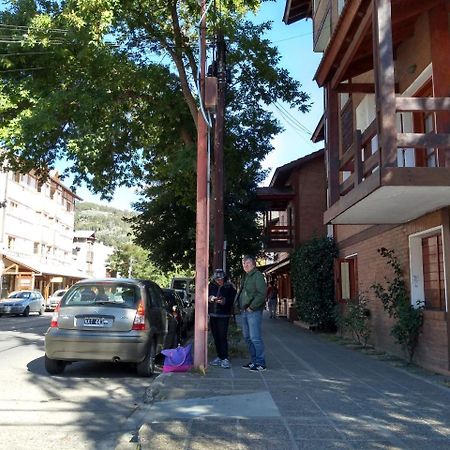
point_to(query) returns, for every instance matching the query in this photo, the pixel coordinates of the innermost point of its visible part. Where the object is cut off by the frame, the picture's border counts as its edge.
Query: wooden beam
(423, 103)
(440, 58)
(423, 140)
(339, 39)
(365, 88)
(333, 141)
(385, 81)
(352, 48)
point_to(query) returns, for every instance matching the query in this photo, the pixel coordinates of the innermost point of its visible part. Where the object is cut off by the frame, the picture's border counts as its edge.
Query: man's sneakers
(254, 367)
(257, 368)
(248, 366)
(224, 363)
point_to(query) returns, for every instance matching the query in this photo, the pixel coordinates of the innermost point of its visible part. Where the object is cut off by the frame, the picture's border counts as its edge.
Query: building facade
(89, 255)
(385, 71)
(293, 206)
(36, 234)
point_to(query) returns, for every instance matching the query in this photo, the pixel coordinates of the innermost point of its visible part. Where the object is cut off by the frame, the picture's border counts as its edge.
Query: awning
(21, 262)
(278, 266)
(43, 268)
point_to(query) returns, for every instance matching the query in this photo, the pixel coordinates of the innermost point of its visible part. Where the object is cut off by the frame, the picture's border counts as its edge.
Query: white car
(53, 300)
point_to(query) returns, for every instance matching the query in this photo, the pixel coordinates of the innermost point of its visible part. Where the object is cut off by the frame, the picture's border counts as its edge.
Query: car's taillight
(54, 321)
(139, 318)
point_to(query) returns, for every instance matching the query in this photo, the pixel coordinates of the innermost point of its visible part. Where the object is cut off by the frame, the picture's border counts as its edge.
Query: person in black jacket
(221, 295)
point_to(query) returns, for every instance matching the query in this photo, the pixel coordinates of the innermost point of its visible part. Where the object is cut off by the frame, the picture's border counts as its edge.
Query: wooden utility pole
(218, 155)
(202, 222)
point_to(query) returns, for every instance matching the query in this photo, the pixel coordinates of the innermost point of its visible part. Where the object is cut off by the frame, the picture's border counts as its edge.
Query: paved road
(85, 408)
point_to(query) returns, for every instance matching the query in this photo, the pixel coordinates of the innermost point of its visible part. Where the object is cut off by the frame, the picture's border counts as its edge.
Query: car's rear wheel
(54, 366)
(146, 367)
(26, 312)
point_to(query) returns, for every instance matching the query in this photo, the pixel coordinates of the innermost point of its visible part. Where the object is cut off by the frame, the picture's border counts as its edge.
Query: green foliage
(352, 316)
(109, 87)
(313, 281)
(110, 224)
(396, 301)
(131, 260)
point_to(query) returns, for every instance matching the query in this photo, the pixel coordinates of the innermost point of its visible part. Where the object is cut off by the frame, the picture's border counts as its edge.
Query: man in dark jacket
(220, 304)
(251, 300)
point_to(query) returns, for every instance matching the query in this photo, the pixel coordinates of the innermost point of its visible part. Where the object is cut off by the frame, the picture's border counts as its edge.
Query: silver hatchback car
(22, 302)
(119, 320)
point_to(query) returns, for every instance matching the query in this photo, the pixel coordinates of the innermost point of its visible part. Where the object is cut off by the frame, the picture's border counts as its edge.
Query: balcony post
(357, 142)
(440, 57)
(332, 145)
(384, 82)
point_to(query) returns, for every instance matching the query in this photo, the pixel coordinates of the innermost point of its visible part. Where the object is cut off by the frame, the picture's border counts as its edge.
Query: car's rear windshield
(120, 294)
(19, 295)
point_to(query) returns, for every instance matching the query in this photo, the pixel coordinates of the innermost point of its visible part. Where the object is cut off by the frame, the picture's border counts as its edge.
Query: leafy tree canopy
(109, 86)
(131, 260)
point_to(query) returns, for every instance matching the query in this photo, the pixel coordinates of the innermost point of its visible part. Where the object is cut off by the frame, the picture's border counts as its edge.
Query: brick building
(385, 71)
(293, 206)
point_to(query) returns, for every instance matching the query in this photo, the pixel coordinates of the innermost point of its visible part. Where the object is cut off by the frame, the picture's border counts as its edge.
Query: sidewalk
(315, 395)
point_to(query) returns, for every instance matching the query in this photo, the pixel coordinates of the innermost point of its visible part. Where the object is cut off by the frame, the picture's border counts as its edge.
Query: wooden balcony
(278, 238)
(373, 189)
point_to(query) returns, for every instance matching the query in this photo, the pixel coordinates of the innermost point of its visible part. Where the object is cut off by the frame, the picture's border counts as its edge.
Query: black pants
(219, 330)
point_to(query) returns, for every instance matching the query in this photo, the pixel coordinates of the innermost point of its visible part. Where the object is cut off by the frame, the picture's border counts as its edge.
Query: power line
(25, 53)
(26, 28)
(26, 69)
(293, 119)
(292, 37)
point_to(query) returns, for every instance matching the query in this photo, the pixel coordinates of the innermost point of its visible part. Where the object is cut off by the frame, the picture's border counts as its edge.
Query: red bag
(178, 359)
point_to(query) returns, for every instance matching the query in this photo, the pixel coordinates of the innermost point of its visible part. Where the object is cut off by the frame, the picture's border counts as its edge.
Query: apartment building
(89, 255)
(385, 71)
(293, 206)
(36, 234)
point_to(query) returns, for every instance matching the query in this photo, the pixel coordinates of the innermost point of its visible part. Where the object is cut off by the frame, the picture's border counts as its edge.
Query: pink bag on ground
(178, 359)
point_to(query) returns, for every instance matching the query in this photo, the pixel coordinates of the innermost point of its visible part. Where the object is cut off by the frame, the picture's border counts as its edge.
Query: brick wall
(310, 200)
(432, 352)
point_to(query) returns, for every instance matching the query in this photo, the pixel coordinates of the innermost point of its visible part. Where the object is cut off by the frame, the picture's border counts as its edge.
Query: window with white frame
(427, 269)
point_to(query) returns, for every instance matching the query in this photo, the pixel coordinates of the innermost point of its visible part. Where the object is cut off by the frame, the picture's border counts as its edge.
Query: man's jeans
(251, 331)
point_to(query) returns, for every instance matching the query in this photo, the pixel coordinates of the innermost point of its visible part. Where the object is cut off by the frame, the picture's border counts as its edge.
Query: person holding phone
(221, 295)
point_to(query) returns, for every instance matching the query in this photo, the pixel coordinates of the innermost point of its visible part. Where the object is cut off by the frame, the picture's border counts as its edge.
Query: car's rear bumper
(73, 345)
(12, 310)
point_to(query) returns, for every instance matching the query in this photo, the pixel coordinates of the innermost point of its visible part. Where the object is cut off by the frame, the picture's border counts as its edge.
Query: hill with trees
(110, 224)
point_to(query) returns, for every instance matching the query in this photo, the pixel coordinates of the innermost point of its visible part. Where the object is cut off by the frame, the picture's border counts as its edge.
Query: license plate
(95, 322)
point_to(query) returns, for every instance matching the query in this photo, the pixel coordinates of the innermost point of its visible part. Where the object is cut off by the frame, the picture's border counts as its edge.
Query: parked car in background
(111, 319)
(189, 307)
(185, 284)
(178, 325)
(22, 303)
(53, 300)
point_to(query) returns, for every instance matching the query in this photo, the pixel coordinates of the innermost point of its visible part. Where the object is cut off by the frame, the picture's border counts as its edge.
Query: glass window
(114, 294)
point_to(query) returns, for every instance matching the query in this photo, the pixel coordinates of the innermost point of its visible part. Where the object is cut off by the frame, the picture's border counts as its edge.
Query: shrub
(313, 281)
(352, 316)
(397, 303)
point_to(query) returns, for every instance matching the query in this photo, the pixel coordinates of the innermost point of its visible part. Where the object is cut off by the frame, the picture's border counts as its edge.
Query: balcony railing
(359, 161)
(278, 237)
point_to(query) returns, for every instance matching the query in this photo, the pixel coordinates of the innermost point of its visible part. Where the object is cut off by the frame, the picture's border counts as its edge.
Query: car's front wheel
(26, 312)
(146, 367)
(54, 366)
(42, 310)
